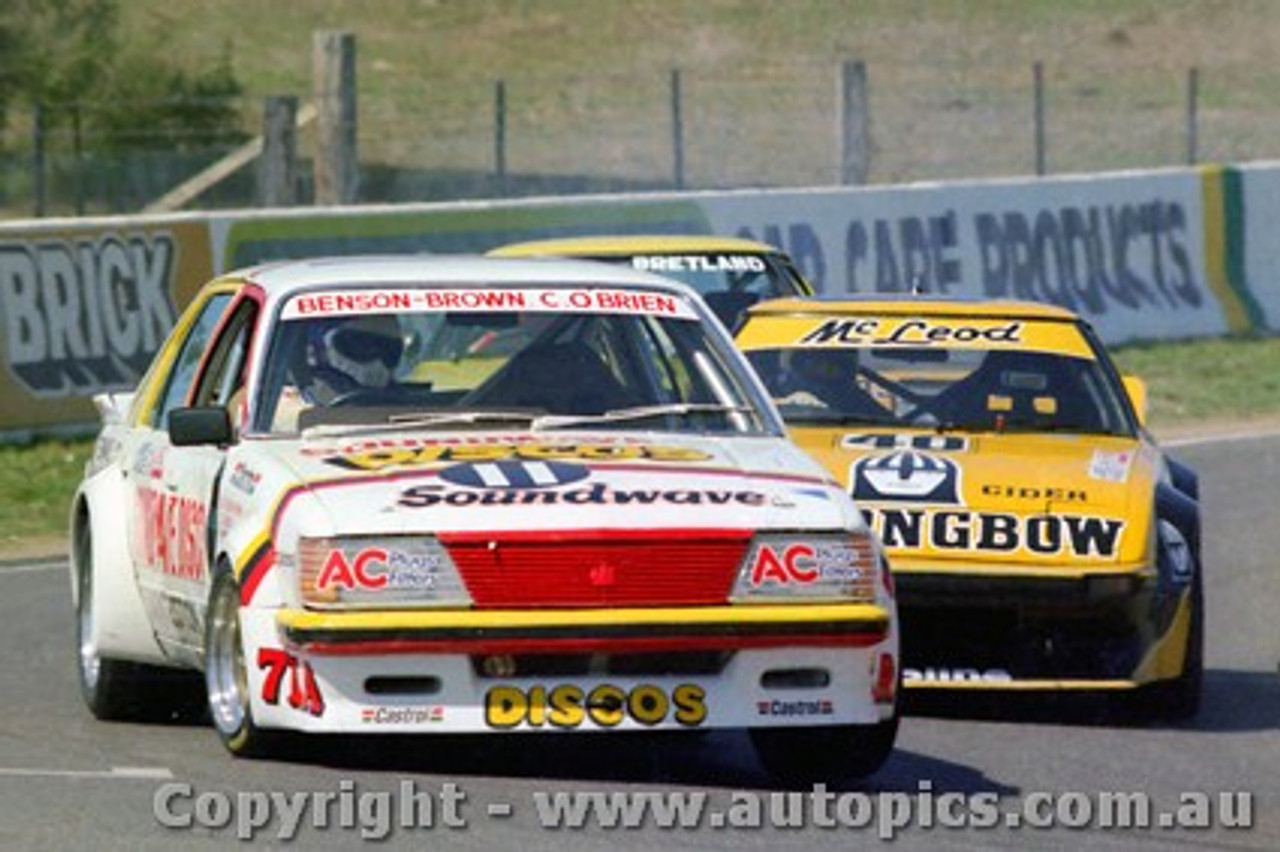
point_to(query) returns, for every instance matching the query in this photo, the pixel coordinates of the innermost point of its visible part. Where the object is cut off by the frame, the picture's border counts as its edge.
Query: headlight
(825, 566)
(378, 572)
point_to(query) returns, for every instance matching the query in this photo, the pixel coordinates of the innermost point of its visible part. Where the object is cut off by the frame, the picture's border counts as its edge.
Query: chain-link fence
(759, 126)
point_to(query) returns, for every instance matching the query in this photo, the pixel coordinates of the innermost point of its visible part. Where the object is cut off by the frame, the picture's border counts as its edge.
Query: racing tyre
(109, 687)
(1179, 699)
(225, 676)
(807, 755)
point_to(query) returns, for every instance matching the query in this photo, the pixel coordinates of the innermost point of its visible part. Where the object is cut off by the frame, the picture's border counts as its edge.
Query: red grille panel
(598, 568)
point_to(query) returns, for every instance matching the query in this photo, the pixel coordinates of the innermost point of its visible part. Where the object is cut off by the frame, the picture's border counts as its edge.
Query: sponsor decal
(284, 669)
(425, 496)
(996, 532)
(536, 300)
(378, 568)
(943, 674)
(699, 263)
(796, 707)
(899, 441)
(1035, 493)
(87, 315)
(383, 715)
(1110, 466)
(804, 563)
(515, 474)
(908, 475)
(604, 706)
(381, 458)
(148, 463)
(170, 532)
(884, 331)
(244, 478)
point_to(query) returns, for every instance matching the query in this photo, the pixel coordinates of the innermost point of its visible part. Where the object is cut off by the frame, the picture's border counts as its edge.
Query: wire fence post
(1037, 73)
(854, 124)
(37, 158)
(500, 136)
(677, 131)
(1193, 96)
(77, 159)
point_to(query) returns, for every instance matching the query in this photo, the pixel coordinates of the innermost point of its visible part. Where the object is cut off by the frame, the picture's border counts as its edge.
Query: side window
(183, 371)
(224, 375)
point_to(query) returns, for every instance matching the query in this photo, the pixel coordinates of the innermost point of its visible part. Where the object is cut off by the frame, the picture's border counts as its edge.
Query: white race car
(475, 495)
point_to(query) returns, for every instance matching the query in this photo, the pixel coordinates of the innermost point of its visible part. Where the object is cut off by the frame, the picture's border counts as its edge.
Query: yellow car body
(730, 273)
(1040, 538)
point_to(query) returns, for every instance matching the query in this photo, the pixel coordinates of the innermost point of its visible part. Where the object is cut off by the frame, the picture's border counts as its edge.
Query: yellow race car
(1040, 538)
(730, 273)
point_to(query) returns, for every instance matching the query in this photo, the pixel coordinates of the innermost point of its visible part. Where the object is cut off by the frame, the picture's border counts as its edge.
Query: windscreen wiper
(638, 412)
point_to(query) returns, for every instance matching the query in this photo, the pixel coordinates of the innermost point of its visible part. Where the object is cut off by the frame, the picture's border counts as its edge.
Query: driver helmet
(360, 352)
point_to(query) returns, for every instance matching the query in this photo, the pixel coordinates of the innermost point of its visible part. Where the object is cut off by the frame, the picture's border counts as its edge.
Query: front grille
(598, 568)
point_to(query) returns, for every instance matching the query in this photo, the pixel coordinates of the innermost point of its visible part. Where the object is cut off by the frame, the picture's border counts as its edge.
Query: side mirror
(1137, 390)
(199, 426)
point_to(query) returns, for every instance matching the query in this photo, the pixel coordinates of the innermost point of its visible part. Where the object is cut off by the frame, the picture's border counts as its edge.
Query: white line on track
(59, 565)
(118, 773)
(1223, 438)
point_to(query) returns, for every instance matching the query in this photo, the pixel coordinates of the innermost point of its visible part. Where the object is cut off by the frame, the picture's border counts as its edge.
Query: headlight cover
(369, 572)
(809, 566)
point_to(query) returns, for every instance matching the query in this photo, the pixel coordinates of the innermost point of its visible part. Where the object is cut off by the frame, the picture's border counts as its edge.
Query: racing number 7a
(304, 692)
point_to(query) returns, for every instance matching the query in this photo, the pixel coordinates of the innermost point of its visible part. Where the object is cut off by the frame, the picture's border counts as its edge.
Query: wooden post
(853, 124)
(334, 80)
(278, 166)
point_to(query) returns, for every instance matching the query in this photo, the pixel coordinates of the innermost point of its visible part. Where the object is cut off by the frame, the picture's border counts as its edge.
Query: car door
(154, 529)
(189, 475)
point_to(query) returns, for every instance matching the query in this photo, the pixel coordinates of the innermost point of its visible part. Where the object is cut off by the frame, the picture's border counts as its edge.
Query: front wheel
(1178, 699)
(225, 675)
(807, 755)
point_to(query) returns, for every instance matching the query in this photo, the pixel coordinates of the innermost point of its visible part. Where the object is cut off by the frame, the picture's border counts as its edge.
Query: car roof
(629, 244)
(912, 304)
(282, 278)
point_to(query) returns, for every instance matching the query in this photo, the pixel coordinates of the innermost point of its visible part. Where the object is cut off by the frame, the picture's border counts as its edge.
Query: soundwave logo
(906, 475)
(521, 475)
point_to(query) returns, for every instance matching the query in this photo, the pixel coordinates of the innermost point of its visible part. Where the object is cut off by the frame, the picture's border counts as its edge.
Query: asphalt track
(69, 782)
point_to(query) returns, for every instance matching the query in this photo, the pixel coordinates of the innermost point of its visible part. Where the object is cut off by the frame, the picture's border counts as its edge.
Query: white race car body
(580, 573)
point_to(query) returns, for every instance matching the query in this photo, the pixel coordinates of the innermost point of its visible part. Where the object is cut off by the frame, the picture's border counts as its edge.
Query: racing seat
(561, 378)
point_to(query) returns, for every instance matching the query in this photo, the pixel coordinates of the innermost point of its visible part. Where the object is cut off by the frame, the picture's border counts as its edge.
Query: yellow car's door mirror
(1137, 390)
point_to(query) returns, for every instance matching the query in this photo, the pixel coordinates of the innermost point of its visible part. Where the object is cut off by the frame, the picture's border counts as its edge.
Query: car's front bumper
(1033, 630)
(591, 670)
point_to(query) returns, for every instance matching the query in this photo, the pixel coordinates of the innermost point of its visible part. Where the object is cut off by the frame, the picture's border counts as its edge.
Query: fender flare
(122, 629)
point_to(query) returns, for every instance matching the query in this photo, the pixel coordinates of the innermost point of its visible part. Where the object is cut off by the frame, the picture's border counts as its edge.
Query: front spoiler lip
(1009, 585)
(633, 630)
(1024, 685)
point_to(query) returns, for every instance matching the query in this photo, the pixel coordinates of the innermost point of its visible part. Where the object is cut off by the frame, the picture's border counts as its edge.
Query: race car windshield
(506, 369)
(962, 389)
